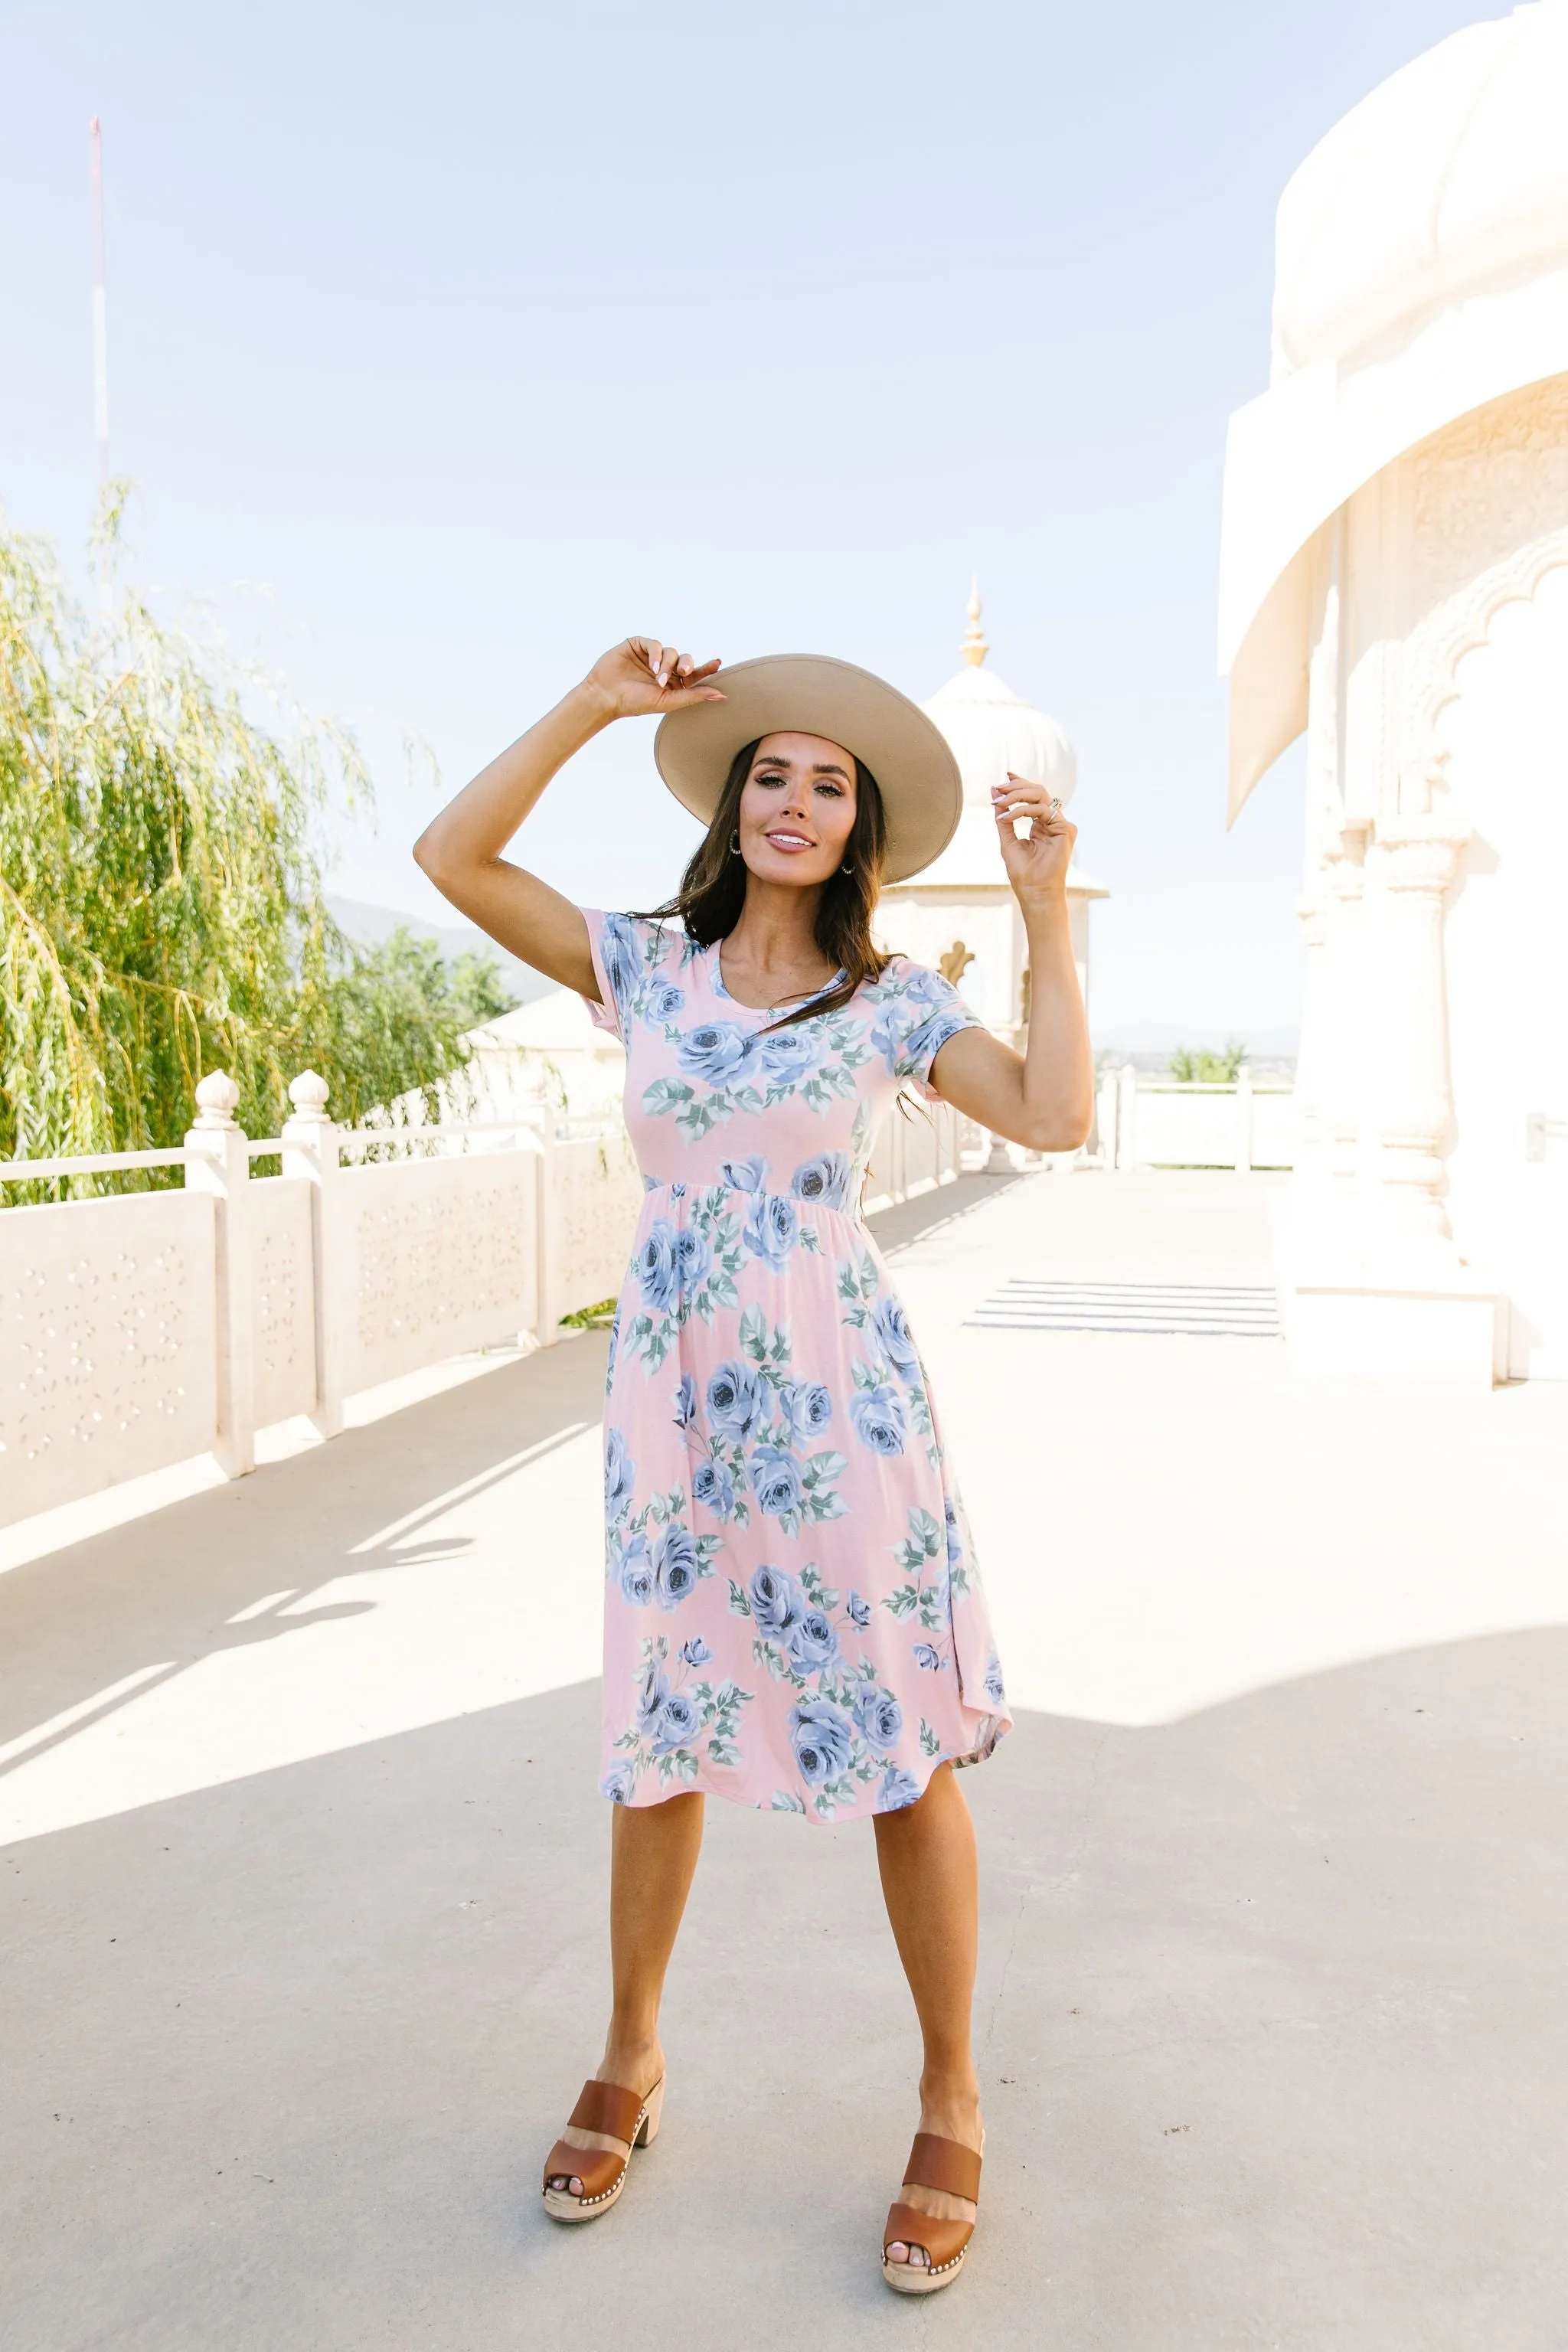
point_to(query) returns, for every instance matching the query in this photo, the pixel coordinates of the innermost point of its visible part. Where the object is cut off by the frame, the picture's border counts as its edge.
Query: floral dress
(793, 1615)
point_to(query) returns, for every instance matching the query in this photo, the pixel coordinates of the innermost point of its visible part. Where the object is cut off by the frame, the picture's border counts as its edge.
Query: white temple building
(959, 914)
(1395, 585)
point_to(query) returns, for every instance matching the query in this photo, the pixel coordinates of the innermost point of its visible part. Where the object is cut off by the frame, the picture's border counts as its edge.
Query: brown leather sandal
(950, 2170)
(604, 2128)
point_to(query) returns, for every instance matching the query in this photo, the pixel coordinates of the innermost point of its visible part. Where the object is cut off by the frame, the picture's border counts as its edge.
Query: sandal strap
(942, 2164)
(598, 2168)
(943, 2241)
(606, 2107)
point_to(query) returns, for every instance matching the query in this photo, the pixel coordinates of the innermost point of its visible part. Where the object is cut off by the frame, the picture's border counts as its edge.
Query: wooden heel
(652, 2112)
(605, 2125)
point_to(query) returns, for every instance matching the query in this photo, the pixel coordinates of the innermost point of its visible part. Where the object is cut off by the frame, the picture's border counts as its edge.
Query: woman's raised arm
(1043, 1097)
(460, 850)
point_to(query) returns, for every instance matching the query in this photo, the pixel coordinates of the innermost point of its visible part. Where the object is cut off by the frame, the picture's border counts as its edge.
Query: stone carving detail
(446, 1255)
(598, 1193)
(106, 1351)
(1486, 483)
(278, 1212)
(1491, 519)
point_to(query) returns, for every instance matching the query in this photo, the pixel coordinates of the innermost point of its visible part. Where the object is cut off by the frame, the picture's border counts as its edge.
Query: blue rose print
(693, 1257)
(762, 1368)
(809, 1407)
(789, 1055)
(812, 1643)
(634, 1568)
(776, 1600)
(879, 1417)
(776, 1480)
(892, 1026)
(773, 1227)
(922, 1045)
(674, 1567)
(622, 960)
(657, 1274)
(734, 1398)
(825, 1180)
(712, 1486)
(743, 1175)
(896, 1789)
(716, 1052)
(888, 1321)
(619, 1470)
(879, 1717)
(822, 1739)
(679, 1721)
(652, 1692)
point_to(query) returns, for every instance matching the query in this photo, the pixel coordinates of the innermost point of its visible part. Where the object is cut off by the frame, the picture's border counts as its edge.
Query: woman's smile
(790, 843)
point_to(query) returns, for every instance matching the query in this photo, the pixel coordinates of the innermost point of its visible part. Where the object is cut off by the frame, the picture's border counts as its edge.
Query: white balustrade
(143, 1329)
(1149, 1122)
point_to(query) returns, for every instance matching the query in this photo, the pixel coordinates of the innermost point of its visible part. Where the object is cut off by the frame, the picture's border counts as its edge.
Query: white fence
(1145, 1122)
(140, 1330)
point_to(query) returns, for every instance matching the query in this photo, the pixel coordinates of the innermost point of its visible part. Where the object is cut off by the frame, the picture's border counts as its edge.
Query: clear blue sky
(448, 346)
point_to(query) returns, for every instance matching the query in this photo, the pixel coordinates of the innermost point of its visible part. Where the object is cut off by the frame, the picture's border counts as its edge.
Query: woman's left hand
(1037, 862)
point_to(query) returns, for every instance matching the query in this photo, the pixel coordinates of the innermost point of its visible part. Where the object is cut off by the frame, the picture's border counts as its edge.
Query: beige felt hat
(812, 694)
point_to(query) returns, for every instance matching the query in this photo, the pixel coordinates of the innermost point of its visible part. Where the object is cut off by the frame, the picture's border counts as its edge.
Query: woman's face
(797, 809)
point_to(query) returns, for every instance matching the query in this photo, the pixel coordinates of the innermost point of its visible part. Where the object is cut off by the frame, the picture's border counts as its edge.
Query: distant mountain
(370, 925)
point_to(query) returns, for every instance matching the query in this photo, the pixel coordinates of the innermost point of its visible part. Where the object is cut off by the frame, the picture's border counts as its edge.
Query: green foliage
(597, 1317)
(161, 902)
(1194, 1068)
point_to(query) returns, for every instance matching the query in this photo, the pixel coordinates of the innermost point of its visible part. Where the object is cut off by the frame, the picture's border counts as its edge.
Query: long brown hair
(713, 890)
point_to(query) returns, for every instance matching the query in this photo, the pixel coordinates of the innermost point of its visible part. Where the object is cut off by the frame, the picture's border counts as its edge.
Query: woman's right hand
(642, 676)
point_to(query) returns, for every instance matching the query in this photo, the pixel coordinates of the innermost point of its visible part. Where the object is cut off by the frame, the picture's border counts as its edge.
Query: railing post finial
(217, 1097)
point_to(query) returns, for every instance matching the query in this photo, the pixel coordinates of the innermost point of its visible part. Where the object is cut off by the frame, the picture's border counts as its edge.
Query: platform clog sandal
(596, 2146)
(950, 2173)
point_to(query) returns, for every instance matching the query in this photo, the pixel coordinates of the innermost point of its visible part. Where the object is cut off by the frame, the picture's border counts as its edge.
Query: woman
(793, 1614)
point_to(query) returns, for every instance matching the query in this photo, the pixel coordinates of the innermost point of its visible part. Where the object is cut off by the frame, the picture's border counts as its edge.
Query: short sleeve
(617, 952)
(934, 1011)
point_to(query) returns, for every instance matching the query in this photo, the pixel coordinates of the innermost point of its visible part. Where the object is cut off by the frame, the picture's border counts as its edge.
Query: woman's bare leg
(653, 1860)
(931, 1884)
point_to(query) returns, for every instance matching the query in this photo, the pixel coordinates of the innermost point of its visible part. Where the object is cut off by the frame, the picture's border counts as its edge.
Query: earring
(735, 843)
(848, 869)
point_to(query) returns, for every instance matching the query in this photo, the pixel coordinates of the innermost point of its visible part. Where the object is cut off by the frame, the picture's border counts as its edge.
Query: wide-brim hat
(812, 694)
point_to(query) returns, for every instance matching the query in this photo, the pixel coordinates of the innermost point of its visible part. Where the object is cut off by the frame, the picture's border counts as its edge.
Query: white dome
(1451, 175)
(992, 730)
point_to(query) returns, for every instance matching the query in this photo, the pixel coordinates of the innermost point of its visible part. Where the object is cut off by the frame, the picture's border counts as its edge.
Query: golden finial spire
(974, 645)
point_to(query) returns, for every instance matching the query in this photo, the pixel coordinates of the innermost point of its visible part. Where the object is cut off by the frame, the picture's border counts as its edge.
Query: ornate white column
(1411, 865)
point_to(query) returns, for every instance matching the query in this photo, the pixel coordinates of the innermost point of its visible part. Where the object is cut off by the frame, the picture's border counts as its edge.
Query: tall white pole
(100, 312)
(99, 340)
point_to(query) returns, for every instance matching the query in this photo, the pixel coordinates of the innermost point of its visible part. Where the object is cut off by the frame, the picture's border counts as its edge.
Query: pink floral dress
(793, 1615)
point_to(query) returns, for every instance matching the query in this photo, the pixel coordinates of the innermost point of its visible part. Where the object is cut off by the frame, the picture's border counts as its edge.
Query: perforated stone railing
(143, 1329)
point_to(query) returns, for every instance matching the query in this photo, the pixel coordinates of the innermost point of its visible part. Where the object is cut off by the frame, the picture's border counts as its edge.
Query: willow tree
(161, 894)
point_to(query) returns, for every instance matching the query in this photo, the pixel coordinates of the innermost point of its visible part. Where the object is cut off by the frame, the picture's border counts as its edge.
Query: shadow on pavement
(1272, 2041)
(164, 1587)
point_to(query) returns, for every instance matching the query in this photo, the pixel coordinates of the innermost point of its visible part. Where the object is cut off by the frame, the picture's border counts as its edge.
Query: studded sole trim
(562, 2206)
(919, 2278)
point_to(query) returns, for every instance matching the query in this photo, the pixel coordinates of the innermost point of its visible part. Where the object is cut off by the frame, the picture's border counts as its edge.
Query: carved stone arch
(1464, 629)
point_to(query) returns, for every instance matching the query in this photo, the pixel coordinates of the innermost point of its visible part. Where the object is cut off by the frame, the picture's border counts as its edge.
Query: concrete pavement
(302, 1924)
